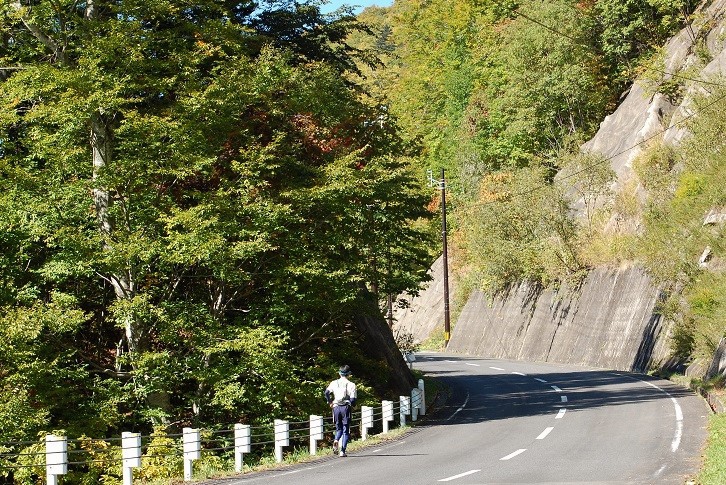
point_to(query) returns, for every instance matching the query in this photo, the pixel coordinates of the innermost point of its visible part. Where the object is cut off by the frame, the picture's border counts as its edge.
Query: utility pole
(389, 296)
(445, 257)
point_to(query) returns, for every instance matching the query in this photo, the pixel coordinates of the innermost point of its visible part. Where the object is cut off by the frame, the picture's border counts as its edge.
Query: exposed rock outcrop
(645, 116)
(377, 342)
(611, 321)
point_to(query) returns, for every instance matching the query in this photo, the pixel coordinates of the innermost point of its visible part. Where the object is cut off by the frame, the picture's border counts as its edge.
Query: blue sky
(334, 4)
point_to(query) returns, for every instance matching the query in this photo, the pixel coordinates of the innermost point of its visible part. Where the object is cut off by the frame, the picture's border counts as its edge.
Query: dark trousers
(342, 418)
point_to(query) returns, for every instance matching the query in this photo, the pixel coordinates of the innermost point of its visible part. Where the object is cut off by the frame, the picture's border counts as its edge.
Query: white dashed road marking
(460, 409)
(519, 373)
(512, 455)
(540, 380)
(544, 433)
(561, 413)
(475, 365)
(496, 368)
(470, 472)
(556, 388)
(563, 398)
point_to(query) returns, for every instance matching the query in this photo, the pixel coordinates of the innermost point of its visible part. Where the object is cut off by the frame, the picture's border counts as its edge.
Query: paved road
(515, 422)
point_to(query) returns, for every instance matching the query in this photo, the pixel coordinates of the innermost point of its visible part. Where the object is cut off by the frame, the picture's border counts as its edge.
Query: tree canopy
(193, 197)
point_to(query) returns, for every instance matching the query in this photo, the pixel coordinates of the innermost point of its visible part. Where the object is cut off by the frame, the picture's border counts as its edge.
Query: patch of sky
(357, 5)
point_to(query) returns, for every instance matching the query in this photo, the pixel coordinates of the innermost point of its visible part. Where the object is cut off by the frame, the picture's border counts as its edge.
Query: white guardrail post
(422, 408)
(282, 437)
(242, 445)
(410, 357)
(366, 420)
(192, 445)
(405, 408)
(415, 403)
(130, 455)
(316, 432)
(56, 458)
(387, 411)
(56, 447)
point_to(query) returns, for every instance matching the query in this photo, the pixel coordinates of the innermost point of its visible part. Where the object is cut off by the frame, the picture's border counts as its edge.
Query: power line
(607, 159)
(517, 13)
(611, 157)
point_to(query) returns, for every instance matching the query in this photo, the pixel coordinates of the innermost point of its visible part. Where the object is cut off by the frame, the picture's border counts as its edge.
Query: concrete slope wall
(426, 311)
(608, 322)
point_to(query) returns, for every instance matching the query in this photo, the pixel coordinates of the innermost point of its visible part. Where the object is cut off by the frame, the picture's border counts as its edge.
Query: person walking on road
(341, 396)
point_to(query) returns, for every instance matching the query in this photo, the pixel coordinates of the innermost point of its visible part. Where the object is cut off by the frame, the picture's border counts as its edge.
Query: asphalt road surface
(516, 422)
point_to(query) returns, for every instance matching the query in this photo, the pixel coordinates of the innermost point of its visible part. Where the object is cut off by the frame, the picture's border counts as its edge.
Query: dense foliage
(193, 200)
(679, 236)
(196, 195)
(506, 92)
(502, 94)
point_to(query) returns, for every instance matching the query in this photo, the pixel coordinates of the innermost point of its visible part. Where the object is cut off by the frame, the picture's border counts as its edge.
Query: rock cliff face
(378, 342)
(609, 321)
(697, 53)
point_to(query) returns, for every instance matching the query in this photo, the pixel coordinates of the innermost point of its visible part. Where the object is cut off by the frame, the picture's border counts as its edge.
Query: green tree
(630, 29)
(588, 178)
(187, 193)
(520, 230)
(547, 86)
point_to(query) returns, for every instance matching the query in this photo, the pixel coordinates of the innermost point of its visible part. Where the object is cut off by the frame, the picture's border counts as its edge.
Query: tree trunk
(123, 280)
(42, 37)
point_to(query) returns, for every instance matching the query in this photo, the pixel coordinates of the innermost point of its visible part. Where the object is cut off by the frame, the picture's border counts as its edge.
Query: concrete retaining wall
(426, 311)
(608, 323)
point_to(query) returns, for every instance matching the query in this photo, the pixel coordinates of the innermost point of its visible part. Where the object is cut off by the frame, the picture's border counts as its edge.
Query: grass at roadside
(211, 469)
(714, 465)
(713, 470)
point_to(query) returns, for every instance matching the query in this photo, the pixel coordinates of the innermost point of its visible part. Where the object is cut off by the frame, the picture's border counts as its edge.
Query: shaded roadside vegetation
(195, 208)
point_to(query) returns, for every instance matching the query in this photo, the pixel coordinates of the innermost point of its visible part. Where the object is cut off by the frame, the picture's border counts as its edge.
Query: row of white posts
(56, 447)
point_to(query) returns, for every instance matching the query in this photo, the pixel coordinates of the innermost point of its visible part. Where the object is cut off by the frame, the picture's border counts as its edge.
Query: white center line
(544, 433)
(556, 388)
(519, 373)
(461, 408)
(496, 368)
(470, 472)
(561, 413)
(450, 361)
(540, 380)
(563, 398)
(475, 365)
(512, 455)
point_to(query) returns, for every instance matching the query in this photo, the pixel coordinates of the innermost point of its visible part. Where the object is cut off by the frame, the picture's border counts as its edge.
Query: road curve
(516, 422)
